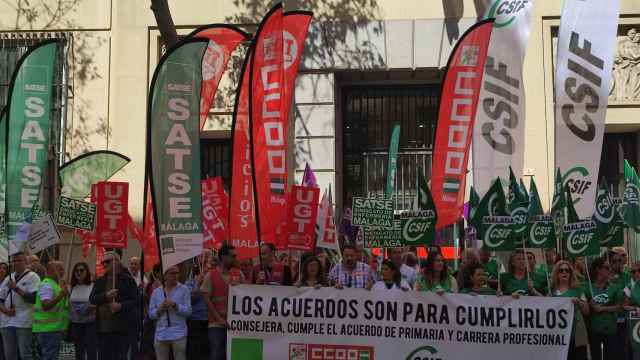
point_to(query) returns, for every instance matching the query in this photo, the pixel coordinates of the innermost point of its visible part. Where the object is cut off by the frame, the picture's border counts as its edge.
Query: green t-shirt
(621, 280)
(485, 290)
(605, 322)
(491, 268)
(634, 295)
(422, 285)
(540, 281)
(510, 284)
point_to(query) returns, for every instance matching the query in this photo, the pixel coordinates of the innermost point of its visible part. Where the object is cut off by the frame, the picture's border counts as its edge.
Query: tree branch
(164, 21)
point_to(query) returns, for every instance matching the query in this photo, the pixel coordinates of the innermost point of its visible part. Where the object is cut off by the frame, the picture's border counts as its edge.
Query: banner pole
(544, 257)
(73, 237)
(586, 265)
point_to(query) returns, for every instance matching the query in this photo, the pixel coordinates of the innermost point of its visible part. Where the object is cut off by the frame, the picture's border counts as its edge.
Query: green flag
(540, 227)
(558, 205)
(393, 158)
(606, 216)
(423, 231)
(523, 189)
(4, 245)
(572, 215)
(518, 208)
(30, 119)
(516, 195)
(474, 201)
(173, 150)
(77, 175)
(580, 239)
(496, 228)
(631, 203)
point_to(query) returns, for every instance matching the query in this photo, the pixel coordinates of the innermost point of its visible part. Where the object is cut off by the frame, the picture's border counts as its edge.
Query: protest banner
(302, 214)
(411, 228)
(372, 212)
(43, 234)
(76, 214)
(112, 213)
(268, 322)
(634, 330)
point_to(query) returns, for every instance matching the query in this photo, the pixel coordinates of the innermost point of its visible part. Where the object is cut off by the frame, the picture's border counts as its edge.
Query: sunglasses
(564, 270)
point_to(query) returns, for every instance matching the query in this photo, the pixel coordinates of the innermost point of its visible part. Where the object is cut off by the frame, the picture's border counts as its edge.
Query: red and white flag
(215, 213)
(325, 225)
(302, 215)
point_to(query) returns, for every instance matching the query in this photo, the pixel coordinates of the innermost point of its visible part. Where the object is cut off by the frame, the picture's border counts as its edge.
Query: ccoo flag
(223, 40)
(498, 136)
(28, 129)
(631, 200)
(586, 47)
(173, 150)
(460, 91)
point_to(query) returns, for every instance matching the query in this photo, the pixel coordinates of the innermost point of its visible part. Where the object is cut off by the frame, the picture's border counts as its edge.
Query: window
(370, 113)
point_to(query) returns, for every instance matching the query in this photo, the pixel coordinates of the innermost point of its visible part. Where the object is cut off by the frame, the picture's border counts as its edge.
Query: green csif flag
(608, 220)
(631, 200)
(496, 229)
(580, 237)
(518, 209)
(474, 201)
(30, 119)
(393, 159)
(77, 175)
(634, 331)
(524, 189)
(558, 205)
(173, 150)
(540, 227)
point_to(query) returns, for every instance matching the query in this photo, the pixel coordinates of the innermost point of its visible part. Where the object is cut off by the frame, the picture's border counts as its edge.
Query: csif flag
(77, 175)
(631, 198)
(558, 205)
(458, 104)
(606, 216)
(498, 136)
(474, 201)
(540, 227)
(223, 40)
(518, 209)
(30, 119)
(586, 47)
(173, 151)
(242, 223)
(496, 226)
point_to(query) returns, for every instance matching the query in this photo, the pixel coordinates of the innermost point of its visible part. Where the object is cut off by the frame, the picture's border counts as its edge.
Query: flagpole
(544, 257)
(586, 265)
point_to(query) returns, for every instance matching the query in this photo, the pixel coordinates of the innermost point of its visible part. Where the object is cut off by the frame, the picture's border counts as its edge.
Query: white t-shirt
(380, 285)
(408, 274)
(23, 318)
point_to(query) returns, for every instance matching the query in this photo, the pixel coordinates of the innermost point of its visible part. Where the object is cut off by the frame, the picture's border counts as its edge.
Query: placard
(76, 214)
(372, 212)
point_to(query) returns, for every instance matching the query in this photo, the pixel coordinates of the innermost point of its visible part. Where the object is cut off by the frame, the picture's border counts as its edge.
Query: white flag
(498, 135)
(586, 48)
(325, 225)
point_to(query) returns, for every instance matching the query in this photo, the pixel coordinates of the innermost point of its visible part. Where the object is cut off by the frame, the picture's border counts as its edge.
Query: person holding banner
(170, 306)
(435, 276)
(565, 283)
(516, 281)
(17, 295)
(476, 281)
(312, 273)
(391, 278)
(408, 273)
(351, 273)
(51, 311)
(632, 298)
(605, 301)
(271, 272)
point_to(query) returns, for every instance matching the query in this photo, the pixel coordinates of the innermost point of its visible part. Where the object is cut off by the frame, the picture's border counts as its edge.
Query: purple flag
(309, 178)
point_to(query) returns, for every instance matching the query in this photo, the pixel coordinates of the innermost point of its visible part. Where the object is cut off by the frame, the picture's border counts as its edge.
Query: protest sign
(268, 322)
(76, 214)
(412, 228)
(42, 235)
(580, 239)
(302, 214)
(372, 212)
(111, 219)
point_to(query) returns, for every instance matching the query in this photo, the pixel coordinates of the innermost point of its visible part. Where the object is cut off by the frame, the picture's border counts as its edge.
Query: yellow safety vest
(55, 319)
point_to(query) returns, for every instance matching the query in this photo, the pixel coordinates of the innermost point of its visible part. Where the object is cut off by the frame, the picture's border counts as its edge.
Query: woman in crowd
(391, 278)
(435, 276)
(313, 274)
(82, 328)
(605, 301)
(468, 258)
(565, 283)
(517, 282)
(632, 297)
(476, 281)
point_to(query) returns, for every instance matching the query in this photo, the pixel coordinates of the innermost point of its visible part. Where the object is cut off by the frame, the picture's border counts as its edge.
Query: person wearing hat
(116, 296)
(170, 306)
(216, 294)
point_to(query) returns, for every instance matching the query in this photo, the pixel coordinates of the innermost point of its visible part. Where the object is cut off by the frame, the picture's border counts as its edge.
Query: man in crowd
(215, 288)
(408, 273)
(351, 273)
(17, 295)
(51, 315)
(197, 323)
(271, 272)
(134, 269)
(116, 307)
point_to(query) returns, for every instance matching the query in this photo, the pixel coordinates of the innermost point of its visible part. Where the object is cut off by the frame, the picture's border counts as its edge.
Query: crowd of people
(182, 313)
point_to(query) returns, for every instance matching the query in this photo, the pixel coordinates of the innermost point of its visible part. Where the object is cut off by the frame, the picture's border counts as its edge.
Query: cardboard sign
(111, 220)
(215, 213)
(372, 212)
(302, 214)
(43, 234)
(76, 214)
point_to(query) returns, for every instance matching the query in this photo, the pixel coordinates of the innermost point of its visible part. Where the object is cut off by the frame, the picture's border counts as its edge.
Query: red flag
(460, 91)
(99, 258)
(242, 223)
(223, 40)
(215, 213)
(302, 214)
(296, 27)
(326, 227)
(150, 248)
(268, 125)
(111, 217)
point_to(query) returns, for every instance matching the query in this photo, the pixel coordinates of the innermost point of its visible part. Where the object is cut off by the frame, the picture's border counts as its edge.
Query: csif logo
(577, 179)
(605, 207)
(578, 241)
(519, 216)
(631, 194)
(506, 11)
(424, 353)
(496, 235)
(635, 333)
(601, 299)
(414, 229)
(539, 232)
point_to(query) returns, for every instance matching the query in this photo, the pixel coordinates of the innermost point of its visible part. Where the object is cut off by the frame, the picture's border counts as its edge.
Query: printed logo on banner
(577, 180)
(540, 230)
(299, 351)
(469, 55)
(506, 11)
(290, 49)
(76, 214)
(372, 212)
(423, 352)
(111, 223)
(580, 238)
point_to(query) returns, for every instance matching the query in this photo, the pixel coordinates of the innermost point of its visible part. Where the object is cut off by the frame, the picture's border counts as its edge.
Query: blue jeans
(218, 343)
(50, 344)
(17, 341)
